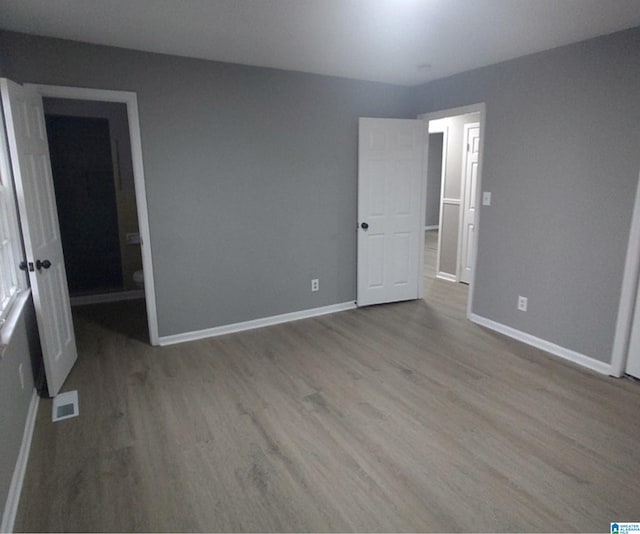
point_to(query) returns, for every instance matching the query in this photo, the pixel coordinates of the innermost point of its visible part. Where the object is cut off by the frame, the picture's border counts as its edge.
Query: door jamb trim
(131, 100)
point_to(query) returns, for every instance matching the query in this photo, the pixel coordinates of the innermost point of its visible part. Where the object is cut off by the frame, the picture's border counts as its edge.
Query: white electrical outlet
(21, 376)
(522, 303)
(315, 284)
(486, 198)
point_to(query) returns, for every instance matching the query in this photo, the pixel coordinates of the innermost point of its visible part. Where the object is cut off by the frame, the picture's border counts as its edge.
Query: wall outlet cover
(522, 303)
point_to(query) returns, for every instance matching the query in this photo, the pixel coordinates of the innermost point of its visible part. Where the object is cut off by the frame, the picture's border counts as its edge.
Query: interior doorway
(93, 179)
(454, 152)
(44, 258)
(138, 196)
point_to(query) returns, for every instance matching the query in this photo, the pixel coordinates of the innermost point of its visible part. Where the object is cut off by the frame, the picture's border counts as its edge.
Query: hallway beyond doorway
(449, 297)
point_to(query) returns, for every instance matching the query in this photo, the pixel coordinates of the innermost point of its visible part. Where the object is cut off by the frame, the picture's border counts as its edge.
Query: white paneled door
(633, 359)
(390, 191)
(469, 208)
(27, 138)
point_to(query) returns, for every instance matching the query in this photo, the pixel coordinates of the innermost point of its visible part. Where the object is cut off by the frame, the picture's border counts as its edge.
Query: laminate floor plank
(399, 417)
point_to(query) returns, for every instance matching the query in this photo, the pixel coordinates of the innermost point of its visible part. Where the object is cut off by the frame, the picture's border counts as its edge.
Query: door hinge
(26, 266)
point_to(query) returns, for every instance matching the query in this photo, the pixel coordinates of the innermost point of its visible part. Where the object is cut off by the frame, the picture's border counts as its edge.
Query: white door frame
(628, 292)
(130, 99)
(443, 114)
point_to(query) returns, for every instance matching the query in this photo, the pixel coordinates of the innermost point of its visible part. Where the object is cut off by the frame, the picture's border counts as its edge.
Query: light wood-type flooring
(402, 417)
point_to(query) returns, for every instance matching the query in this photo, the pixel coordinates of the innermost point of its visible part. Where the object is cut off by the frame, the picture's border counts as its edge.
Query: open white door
(470, 174)
(31, 165)
(390, 226)
(633, 359)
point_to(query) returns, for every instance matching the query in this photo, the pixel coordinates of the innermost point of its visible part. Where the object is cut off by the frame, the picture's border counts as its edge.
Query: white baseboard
(256, 323)
(114, 296)
(446, 276)
(433, 227)
(13, 498)
(556, 350)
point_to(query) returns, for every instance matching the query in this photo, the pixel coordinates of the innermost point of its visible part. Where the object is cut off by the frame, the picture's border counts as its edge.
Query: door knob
(364, 225)
(43, 264)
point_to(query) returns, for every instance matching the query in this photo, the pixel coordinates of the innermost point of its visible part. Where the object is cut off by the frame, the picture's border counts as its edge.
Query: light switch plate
(486, 198)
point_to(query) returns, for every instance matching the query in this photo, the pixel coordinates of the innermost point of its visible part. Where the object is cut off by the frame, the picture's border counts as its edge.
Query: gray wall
(561, 160)
(14, 400)
(251, 179)
(434, 180)
(251, 174)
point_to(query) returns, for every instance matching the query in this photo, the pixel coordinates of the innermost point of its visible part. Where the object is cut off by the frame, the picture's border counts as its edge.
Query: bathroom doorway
(95, 196)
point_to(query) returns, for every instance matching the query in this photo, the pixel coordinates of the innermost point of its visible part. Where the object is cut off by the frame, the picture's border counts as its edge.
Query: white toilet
(138, 279)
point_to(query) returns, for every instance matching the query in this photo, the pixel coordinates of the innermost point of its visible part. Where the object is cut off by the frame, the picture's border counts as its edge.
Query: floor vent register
(65, 405)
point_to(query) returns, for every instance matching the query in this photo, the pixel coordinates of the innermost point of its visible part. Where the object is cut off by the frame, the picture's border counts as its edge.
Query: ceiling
(405, 42)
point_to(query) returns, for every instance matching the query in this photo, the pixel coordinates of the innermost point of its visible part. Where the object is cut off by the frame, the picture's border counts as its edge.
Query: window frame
(12, 280)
